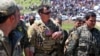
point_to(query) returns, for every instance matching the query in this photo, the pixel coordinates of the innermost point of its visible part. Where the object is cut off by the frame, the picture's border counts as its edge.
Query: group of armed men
(45, 37)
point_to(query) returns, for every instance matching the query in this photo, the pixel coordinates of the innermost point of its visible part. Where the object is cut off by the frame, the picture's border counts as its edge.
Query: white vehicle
(81, 15)
(64, 17)
(75, 17)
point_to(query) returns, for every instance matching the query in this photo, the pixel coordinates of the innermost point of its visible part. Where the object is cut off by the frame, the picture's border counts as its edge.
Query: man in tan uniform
(45, 34)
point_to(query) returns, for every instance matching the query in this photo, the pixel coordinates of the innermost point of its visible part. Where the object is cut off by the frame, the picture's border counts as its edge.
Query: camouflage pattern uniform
(83, 42)
(5, 46)
(7, 8)
(44, 45)
(73, 29)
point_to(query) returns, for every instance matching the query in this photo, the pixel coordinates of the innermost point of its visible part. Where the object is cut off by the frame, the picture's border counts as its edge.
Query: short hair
(89, 14)
(41, 8)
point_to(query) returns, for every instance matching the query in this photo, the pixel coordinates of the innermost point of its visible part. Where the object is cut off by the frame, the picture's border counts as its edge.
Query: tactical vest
(87, 43)
(43, 41)
(83, 42)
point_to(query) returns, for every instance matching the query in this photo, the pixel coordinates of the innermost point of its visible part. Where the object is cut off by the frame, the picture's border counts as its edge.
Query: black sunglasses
(46, 13)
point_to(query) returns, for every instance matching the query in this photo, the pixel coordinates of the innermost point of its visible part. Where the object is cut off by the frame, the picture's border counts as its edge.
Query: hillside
(26, 3)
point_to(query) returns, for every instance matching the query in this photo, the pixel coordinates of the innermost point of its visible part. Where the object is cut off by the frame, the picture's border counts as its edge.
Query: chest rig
(43, 41)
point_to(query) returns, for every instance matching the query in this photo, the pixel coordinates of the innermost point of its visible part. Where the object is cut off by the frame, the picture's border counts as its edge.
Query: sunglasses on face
(46, 13)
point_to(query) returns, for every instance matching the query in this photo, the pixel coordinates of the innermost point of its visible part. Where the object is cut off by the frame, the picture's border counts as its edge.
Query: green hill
(26, 3)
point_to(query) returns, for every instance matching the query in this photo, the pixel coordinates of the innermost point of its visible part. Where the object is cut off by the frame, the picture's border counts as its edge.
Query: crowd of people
(45, 37)
(73, 7)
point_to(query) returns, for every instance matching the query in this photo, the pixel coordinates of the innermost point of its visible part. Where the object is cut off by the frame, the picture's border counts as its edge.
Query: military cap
(7, 7)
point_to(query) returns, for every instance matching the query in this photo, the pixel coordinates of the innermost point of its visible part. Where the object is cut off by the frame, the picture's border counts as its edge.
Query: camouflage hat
(7, 7)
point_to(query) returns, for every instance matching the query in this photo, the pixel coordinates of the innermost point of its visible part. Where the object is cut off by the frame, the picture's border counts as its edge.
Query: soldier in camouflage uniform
(78, 22)
(85, 40)
(65, 34)
(9, 18)
(45, 34)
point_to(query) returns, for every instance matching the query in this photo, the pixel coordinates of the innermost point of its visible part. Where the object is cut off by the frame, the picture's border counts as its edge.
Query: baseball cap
(7, 7)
